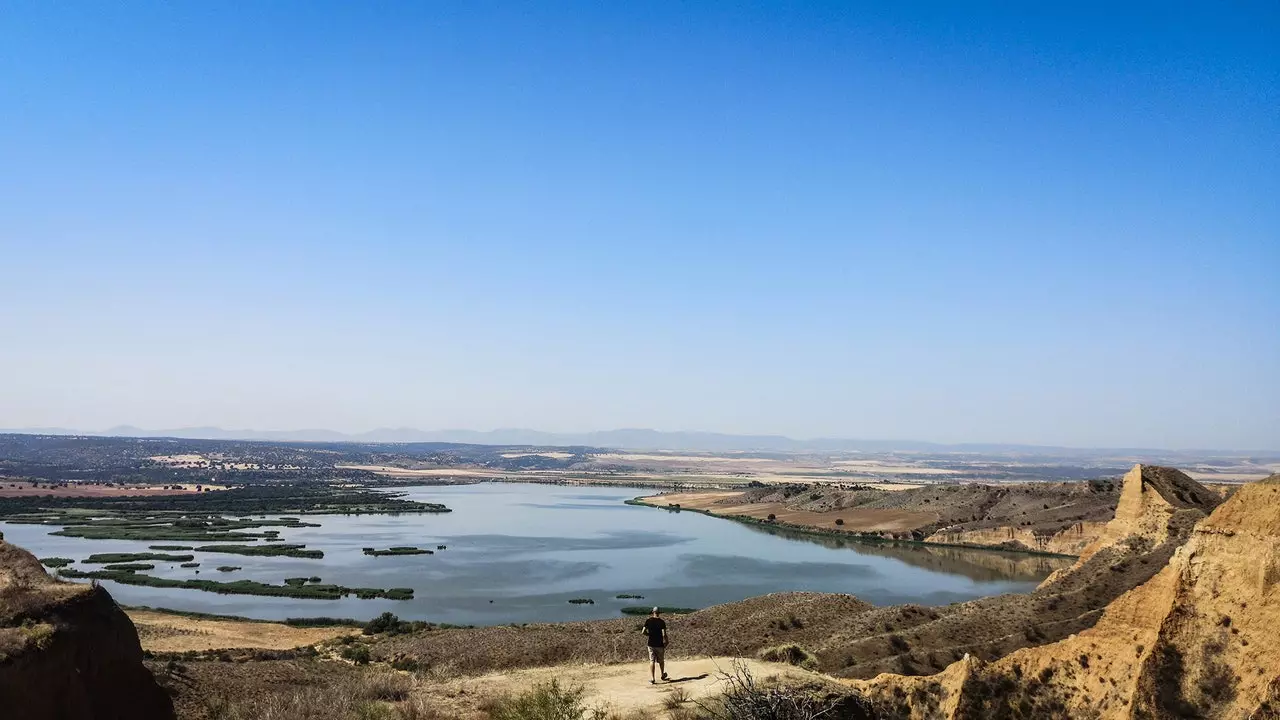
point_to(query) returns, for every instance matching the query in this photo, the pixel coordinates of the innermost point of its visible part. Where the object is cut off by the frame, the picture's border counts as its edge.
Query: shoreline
(869, 538)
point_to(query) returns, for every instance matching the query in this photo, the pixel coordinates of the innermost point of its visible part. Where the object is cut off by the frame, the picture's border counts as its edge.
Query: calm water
(518, 552)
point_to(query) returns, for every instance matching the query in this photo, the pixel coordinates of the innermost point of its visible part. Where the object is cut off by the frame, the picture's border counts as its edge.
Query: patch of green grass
(56, 562)
(190, 565)
(101, 558)
(582, 601)
(628, 596)
(170, 547)
(228, 568)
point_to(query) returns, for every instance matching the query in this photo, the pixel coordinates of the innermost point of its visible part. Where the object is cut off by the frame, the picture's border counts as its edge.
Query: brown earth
(1062, 518)
(67, 651)
(855, 519)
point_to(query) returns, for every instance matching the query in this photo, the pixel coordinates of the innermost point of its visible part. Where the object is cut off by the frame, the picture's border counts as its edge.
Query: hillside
(67, 651)
(1047, 517)
(1198, 640)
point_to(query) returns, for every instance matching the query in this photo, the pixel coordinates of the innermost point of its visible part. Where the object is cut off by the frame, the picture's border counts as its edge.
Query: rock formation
(68, 651)
(1197, 640)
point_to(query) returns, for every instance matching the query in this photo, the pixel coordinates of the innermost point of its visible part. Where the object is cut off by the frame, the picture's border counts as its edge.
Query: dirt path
(163, 632)
(622, 688)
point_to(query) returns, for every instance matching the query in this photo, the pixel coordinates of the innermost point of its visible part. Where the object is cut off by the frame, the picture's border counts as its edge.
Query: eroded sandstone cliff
(67, 651)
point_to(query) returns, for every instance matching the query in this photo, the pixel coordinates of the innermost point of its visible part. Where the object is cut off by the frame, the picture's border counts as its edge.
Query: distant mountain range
(628, 439)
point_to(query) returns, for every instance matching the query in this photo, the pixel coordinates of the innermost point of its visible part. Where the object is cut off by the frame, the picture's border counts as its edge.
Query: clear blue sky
(908, 220)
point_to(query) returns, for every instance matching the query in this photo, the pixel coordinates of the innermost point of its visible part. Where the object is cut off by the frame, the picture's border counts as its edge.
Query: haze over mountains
(625, 438)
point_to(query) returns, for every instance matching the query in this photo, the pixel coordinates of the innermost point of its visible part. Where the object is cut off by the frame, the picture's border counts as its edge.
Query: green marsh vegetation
(401, 550)
(190, 565)
(295, 499)
(101, 558)
(204, 517)
(228, 568)
(170, 547)
(665, 610)
(56, 562)
(243, 587)
(300, 581)
(628, 596)
(131, 567)
(289, 550)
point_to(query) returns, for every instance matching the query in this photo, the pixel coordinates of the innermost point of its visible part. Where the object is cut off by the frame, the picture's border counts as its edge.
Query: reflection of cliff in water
(981, 565)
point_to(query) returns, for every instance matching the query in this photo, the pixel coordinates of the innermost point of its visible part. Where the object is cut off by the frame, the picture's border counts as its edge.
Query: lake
(518, 552)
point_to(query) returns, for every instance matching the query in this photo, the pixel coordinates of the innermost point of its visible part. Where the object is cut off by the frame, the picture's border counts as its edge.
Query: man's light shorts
(657, 654)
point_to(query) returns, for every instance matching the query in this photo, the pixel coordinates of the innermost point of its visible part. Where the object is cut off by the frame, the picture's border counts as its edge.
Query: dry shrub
(674, 699)
(547, 701)
(307, 703)
(790, 654)
(374, 696)
(419, 709)
(746, 699)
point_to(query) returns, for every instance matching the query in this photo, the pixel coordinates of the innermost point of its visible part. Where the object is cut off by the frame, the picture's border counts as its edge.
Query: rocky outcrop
(67, 651)
(1071, 541)
(1197, 640)
(1156, 503)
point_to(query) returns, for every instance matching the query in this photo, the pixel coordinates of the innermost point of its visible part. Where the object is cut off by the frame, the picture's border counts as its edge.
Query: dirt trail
(622, 688)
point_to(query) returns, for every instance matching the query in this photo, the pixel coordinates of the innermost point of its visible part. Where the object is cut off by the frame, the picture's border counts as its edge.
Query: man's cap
(655, 609)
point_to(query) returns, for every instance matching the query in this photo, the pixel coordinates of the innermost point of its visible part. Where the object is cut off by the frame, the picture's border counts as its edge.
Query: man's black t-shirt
(654, 627)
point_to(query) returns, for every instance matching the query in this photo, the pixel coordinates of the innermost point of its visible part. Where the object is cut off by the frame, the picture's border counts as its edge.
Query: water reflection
(983, 565)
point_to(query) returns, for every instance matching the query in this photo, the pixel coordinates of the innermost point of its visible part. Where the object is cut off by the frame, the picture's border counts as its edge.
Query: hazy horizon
(956, 224)
(623, 438)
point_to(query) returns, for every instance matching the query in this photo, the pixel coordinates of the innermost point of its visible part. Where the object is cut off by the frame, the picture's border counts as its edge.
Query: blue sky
(816, 219)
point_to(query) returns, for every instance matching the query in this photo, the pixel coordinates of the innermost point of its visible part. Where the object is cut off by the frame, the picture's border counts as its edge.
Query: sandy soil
(163, 632)
(25, 489)
(854, 519)
(621, 688)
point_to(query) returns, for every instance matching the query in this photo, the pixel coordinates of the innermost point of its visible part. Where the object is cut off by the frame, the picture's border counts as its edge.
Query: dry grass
(166, 632)
(791, 654)
(676, 698)
(376, 695)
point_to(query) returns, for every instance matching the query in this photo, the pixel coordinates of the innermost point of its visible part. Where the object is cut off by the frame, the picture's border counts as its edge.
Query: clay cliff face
(68, 651)
(1201, 639)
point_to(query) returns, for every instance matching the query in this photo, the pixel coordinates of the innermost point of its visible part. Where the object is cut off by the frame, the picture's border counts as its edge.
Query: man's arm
(665, 638)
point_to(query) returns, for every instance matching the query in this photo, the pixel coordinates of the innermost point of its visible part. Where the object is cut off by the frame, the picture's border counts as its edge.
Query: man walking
(656, 630)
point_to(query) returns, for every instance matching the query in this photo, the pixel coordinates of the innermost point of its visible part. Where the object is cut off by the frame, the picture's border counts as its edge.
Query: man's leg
(653, 662)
